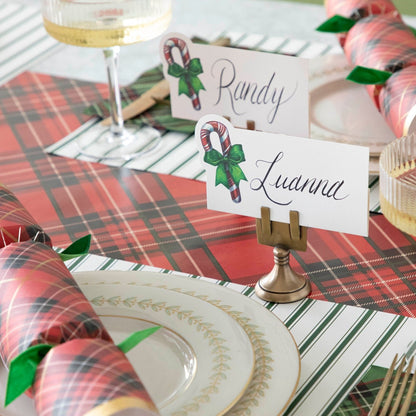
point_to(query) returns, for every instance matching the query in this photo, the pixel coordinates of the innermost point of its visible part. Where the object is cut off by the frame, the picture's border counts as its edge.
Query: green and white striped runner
(23, 39)
(178, 153)
(337, 343)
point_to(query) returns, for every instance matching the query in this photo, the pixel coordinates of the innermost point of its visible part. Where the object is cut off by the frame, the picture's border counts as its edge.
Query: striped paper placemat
(23, 39)
(337, 343)
(178, 154)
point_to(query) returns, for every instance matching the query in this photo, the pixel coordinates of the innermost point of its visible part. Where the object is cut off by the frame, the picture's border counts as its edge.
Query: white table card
(270, 89)
(326, 182)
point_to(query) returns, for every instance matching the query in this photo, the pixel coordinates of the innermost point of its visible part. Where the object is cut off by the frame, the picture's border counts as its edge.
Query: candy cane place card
(269, 89)
(326, 182)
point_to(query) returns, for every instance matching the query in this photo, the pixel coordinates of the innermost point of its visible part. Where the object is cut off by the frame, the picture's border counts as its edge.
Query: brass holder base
(282, 284)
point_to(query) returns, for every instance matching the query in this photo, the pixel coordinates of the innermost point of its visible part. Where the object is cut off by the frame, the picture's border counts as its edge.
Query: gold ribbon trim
(121, 403)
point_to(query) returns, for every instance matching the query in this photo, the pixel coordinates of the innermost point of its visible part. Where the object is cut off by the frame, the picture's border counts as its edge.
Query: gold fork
(389, 391)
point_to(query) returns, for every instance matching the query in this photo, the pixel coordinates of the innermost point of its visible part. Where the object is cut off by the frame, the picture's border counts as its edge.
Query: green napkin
(360, 400)
(158, 116)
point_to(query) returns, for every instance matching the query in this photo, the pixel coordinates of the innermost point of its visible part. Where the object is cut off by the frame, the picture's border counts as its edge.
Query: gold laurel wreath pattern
(217, 343)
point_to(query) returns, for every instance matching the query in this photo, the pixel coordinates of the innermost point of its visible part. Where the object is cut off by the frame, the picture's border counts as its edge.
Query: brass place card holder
(282, 284)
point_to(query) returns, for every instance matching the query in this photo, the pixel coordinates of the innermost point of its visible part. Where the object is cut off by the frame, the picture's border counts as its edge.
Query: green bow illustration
(188, 76)
(235, 156)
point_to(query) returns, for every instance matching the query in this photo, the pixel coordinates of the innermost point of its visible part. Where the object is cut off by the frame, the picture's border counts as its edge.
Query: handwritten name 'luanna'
(273, 180)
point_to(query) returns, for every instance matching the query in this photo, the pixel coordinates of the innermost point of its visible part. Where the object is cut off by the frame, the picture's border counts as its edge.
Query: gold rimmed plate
(200, 362)
(277, 361)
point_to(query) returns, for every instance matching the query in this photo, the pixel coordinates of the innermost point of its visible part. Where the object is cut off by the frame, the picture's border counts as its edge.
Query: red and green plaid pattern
(358, 9)
(398, 100)
(83, 375)
(162, 220)
(360, 400)
(40, 302)
(380, 42)
(16, 224)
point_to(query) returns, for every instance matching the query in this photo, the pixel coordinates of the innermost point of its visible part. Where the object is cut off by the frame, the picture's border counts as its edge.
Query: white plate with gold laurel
(199, 363)
(277, 361)
(342, 111)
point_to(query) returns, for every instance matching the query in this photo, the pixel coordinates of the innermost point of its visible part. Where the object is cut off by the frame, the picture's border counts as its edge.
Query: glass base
(102, 144)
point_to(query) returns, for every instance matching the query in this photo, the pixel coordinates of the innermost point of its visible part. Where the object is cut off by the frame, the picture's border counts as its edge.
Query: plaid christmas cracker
(398, 100)
(16, 224)
(40, 302)
(358, 9)
(89, 377)
(380, 42)
(360, 400)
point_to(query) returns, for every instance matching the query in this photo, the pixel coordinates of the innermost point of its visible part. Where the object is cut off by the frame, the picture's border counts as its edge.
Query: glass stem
(111, 60)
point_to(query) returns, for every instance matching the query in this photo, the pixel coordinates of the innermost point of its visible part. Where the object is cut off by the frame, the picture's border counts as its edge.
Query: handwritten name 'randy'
(241, 91)
(273, 180)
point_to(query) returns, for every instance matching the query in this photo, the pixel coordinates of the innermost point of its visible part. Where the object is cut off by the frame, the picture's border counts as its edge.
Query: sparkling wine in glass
(109, 24)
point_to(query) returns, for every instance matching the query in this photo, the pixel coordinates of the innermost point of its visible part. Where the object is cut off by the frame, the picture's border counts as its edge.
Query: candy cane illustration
(228, 172)
(189, 82)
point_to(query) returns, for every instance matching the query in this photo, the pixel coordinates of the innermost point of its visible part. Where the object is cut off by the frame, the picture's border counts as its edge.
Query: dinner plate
(277, 361)
(341, 110)
(199, 363)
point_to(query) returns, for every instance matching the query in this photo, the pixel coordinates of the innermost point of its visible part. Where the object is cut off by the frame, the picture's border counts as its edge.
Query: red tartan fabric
(162, 220)
(16, 224)
(398, 100)
(358, 9)
(79, 376)
(40, 301)
(380, 42)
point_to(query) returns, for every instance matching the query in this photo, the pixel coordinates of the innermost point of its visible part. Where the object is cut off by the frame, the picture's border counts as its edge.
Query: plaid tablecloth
(178, 154)
(162, 220)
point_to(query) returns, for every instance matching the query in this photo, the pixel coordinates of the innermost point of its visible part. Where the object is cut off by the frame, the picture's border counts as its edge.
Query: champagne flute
(109, 24)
